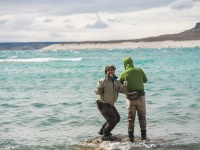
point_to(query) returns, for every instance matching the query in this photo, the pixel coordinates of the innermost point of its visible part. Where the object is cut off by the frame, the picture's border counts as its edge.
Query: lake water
(47, 99)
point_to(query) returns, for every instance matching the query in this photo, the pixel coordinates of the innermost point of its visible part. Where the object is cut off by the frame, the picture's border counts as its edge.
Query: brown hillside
(192, 34)
(188, 35)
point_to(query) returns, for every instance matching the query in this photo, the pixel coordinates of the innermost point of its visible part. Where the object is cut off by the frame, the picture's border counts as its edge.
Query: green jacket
(107, 90)
(134, 76)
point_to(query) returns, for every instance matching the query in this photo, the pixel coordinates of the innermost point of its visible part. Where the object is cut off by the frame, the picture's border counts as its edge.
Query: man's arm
(122, 88)
(99, 87)
(144, 77)
(120, 78)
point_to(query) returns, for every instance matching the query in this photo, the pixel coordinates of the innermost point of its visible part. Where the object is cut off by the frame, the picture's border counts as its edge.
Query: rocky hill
(192, 34)
(188, 35)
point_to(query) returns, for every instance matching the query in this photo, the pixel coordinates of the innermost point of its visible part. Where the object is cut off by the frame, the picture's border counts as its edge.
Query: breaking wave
(32, 60)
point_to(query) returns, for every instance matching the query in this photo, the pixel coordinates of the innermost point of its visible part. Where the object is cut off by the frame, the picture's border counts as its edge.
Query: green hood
(128, 63)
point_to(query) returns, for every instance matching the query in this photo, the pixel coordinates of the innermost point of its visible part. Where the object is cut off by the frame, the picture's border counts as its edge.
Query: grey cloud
(66, 7)
(55, 34)
(21, 22)
(112, 20)
(69, 26)
(182, 4)
(99, 24)
(11, 36)
(3, 21)
(135, 24)
(48, 20)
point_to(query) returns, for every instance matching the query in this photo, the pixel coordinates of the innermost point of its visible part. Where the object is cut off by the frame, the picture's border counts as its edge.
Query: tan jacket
(107, 91)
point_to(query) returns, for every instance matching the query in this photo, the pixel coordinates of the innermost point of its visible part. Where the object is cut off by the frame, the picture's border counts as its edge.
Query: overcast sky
(87, 20)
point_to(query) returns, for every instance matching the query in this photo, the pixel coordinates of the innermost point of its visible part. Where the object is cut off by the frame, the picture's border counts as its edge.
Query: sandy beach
(125, 45)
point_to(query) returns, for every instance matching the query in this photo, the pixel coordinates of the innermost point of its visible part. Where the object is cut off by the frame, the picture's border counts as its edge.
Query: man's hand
(125, 83)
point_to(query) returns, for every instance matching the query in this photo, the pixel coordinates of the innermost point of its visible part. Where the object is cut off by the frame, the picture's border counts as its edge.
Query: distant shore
(124, 45)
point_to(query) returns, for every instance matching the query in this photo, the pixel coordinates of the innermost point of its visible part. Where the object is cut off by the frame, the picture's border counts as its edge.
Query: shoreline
(124, 45)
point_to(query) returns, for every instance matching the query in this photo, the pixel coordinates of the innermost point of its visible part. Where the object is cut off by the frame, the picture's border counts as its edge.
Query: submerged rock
(120, 142)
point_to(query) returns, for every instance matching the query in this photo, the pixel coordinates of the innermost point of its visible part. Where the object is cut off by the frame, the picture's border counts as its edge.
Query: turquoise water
(47, 99)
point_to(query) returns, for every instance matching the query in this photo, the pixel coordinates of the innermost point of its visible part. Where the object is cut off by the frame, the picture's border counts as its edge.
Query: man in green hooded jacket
(135, 101)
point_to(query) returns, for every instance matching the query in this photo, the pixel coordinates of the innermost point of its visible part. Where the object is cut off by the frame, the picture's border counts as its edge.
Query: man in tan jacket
(107, 91)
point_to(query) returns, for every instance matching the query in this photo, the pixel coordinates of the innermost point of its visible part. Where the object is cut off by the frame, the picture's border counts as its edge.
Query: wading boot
(101, 130)
(143, 134)
(107, 138)
(101, 133)
(131, 137)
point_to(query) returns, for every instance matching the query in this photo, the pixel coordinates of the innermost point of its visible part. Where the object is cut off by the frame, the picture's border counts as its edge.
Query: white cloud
(48, 25)
(55, 34)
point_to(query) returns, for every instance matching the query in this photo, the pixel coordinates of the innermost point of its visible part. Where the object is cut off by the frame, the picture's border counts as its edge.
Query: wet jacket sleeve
(120, 78)
(144, 77)
(99, 87)
(122, 88)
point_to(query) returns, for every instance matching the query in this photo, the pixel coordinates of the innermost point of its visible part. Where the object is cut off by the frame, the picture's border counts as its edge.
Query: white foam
(40, 60)
(125, 145)
(116, 145)
(13, 56)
